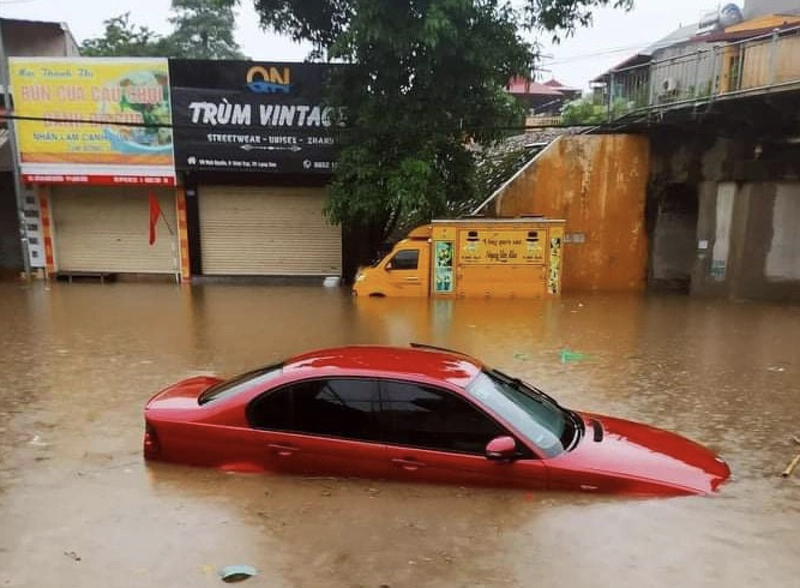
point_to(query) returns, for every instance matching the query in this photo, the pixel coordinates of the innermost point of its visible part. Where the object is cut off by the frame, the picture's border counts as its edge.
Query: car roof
(386, 361)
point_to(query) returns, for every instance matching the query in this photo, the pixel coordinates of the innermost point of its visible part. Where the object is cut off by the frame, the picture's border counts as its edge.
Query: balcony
(699, 74)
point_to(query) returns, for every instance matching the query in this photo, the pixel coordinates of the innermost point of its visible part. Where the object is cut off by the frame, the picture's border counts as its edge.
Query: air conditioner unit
(669, 85)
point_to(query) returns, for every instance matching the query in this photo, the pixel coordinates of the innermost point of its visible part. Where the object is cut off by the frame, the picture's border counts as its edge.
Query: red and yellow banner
(105, 119)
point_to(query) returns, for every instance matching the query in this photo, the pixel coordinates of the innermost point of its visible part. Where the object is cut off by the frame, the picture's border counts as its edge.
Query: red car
(415, 414)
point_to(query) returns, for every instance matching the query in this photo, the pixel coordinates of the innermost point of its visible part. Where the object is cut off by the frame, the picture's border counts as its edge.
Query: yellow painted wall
(598, 183)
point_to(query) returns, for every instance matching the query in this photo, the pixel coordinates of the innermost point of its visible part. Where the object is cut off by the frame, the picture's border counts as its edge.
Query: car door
(435, 435)
(320, 427)
(407, 272)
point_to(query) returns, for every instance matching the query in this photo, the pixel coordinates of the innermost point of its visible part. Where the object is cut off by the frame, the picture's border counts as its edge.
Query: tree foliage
(561, 17)
(122, 37)
(424, 78)
(592, 111)
(201, 29)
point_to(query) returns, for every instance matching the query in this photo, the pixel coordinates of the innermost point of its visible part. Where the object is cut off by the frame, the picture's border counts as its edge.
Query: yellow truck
(471, 257)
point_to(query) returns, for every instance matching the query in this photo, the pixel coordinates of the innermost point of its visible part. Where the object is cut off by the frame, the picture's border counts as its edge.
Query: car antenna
(416, 345)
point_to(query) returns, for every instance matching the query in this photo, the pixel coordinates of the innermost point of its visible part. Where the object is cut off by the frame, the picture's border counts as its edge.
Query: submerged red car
(418, 414)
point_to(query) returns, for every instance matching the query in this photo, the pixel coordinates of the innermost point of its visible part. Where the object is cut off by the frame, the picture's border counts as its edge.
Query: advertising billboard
(244, 116)
(93, 120)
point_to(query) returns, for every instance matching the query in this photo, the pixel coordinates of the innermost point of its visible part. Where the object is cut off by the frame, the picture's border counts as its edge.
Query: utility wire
(205, 127)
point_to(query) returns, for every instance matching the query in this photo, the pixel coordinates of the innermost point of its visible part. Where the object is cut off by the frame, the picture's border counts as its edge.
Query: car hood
(622, 448)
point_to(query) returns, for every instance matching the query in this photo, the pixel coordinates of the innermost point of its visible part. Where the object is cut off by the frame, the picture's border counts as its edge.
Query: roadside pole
(12, 141)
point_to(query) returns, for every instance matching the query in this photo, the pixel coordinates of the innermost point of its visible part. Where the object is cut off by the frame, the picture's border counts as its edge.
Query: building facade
(24, 38)
(178, 168)
(722, 114)
(255, 152)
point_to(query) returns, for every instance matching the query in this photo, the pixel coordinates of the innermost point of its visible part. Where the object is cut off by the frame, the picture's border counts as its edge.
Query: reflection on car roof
(451, 367)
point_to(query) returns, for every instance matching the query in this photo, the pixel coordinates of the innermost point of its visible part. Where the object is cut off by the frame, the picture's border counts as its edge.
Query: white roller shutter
(267, 232)
(106, 229)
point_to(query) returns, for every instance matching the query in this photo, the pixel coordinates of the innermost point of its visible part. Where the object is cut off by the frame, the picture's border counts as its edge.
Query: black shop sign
(244, 116)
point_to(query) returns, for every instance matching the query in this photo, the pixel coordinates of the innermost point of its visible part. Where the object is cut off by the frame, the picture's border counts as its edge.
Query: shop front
(106, 229)
(253, 148)
(95, 148)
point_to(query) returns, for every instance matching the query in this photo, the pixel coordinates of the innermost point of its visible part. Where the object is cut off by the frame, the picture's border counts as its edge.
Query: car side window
(336, 407)
(425, 417)
(408, 259)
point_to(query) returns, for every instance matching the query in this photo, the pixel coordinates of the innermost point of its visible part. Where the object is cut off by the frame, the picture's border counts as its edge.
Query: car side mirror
(501, 449)
(388, 267)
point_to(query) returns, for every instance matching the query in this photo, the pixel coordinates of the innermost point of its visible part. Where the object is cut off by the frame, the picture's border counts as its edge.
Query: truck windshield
(531, 412)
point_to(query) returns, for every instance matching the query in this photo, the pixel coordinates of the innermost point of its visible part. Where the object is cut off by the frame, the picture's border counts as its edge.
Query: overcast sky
(614, 35)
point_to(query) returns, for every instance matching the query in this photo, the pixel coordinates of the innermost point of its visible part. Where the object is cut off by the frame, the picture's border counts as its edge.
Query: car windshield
(531, 412)
(239, 383)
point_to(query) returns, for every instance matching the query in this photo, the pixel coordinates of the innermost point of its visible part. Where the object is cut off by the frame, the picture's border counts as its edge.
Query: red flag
(155, 212)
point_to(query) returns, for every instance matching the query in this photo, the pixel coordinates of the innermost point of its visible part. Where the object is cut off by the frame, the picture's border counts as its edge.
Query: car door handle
(407, 464)
(283, 450)
(412, 279)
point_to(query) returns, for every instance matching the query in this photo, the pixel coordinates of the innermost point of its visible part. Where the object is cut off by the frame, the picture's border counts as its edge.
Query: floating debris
(791, 467)
(237, 573)
(37, 441)
(567, 355)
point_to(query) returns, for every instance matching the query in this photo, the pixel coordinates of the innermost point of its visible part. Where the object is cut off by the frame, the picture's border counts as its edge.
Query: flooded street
(79, 507)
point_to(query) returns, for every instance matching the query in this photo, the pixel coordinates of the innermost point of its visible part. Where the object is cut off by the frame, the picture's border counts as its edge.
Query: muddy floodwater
(78, 507)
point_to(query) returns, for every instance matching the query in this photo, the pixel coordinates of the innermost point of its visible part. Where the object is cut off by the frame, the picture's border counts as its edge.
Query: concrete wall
(747, 244)
(597, 183)
(34, 39)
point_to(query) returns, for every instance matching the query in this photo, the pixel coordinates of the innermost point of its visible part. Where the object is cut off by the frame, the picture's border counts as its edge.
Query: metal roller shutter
(267, 232)
(106, 229)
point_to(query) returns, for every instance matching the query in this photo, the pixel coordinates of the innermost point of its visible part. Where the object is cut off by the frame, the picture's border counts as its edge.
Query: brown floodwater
(78, 507)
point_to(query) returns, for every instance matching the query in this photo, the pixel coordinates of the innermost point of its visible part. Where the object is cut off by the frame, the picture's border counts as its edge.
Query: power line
(581, 56)
(206, 127)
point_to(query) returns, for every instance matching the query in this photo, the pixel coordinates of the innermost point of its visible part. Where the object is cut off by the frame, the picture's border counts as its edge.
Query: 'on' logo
(269, 80)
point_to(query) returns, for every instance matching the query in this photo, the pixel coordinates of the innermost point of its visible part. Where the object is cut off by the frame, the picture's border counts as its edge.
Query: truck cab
(405, 271)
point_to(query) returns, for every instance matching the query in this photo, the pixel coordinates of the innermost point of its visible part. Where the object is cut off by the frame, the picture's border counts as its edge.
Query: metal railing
(710, 72)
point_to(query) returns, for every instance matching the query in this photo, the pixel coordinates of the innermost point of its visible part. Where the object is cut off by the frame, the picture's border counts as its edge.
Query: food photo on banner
(243, 116)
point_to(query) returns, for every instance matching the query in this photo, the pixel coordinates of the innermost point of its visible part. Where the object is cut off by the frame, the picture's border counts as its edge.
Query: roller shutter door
(107, 229)
(267, 231)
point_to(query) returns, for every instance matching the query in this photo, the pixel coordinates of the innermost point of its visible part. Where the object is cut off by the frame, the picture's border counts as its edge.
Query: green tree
(203, 29)
(591, 111)
(425, 77)
(122, 37)
(561, 17)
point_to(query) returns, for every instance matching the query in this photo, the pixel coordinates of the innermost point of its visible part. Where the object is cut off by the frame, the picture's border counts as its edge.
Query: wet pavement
(78, 507)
